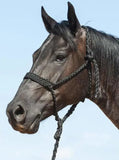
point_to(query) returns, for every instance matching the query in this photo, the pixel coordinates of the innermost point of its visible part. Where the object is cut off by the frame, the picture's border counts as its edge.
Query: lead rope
(58, 133)
(60, 122)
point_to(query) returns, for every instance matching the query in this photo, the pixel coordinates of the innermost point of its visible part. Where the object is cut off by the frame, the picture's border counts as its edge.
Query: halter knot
(59, 130)
(89, 58)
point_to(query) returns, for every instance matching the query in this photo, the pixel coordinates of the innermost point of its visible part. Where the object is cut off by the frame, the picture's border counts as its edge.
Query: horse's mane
(106, 51)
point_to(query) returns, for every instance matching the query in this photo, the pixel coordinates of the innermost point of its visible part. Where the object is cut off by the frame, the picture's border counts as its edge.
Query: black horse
(68, 46)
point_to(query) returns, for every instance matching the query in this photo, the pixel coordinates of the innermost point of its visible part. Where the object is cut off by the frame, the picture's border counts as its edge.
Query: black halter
(89, 60)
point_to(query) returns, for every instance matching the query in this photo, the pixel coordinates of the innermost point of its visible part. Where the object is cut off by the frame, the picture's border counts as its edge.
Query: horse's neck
(109, 84)
(109, 105)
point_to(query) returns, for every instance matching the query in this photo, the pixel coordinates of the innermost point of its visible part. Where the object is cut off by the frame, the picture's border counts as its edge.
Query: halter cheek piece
(51, 87)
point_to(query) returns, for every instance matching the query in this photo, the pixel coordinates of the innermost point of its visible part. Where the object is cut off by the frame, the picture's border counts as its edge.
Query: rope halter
(49, 86)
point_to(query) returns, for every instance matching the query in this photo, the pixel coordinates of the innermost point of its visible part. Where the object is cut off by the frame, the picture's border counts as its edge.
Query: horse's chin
(33, 128)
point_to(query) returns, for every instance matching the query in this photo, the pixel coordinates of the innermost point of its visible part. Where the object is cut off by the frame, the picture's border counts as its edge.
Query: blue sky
(88, 133)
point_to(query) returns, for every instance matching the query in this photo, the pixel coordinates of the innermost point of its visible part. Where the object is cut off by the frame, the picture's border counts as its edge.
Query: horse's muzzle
(18, 118)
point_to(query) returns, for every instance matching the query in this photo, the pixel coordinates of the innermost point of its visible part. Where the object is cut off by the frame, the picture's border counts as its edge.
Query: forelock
(62, 29)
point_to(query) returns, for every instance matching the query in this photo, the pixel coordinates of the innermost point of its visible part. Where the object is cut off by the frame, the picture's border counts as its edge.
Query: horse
(68, 48)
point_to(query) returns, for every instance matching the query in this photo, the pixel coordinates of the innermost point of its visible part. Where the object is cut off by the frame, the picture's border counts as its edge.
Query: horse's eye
(60, 58)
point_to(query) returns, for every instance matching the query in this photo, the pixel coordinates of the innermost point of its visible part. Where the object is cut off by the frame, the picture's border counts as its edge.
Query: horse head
(61, 54)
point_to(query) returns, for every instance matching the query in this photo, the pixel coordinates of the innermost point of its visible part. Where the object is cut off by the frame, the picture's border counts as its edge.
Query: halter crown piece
(89, 59)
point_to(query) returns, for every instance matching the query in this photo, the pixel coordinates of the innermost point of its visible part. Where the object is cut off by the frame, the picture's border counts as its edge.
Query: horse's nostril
(19, 110)
(19, 113)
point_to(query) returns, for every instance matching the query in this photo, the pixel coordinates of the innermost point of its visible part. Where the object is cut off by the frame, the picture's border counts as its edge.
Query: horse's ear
(72, 19)
(48, 21)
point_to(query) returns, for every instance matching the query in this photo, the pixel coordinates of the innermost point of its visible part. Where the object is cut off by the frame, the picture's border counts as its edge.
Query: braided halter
(89, 60)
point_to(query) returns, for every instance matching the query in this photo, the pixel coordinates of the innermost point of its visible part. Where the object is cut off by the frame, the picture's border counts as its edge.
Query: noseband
(51, 87)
